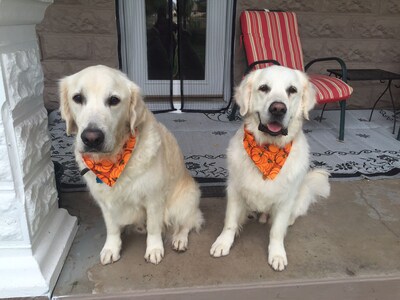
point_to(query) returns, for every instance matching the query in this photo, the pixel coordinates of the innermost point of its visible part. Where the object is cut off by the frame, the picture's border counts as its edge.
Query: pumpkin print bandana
(107, 170)
(269, 159)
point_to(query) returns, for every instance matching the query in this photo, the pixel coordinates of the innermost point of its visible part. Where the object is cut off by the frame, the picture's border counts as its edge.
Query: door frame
(136, 61)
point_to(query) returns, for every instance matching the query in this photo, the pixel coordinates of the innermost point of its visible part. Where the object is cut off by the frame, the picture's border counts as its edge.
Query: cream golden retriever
(273, 101)
(105, 109)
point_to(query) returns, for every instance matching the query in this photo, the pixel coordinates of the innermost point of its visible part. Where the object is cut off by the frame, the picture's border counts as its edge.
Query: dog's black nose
(92, 137)
(277, 109)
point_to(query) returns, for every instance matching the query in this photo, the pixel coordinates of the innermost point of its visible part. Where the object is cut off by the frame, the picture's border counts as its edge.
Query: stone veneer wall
(75, 34)
(364, 33)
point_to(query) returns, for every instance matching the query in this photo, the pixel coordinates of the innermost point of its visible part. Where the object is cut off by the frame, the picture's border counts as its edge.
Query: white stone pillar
(35, 235)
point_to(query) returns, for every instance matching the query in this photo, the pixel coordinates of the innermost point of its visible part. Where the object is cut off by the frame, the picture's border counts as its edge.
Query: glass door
(181, 36)
(176, 48)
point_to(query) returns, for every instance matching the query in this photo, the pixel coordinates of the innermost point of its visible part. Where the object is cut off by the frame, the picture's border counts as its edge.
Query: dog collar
(268, 158)
(109, 170)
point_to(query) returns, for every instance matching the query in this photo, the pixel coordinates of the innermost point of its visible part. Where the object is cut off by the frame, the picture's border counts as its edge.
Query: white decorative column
(35, 235)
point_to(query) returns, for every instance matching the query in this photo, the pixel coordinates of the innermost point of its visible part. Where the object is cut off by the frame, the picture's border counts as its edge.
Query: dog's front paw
(277, 258)
(154, 255)
(109, 256)
(222, 245)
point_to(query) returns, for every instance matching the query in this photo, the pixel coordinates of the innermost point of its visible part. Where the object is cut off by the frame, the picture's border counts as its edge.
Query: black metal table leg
(391, 98)
(394, 108)
(398, 135)
(232, 115)
(342, 119)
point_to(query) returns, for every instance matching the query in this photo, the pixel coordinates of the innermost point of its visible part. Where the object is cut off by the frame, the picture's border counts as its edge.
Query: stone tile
(78, 20)
(90, 3)
(389, 52)
(56, 69)
(351, 6)
(312, 49)
(353, 50)
(324, 26)
(66, 46)
(51, 98)
(390, 7)
(291, 5)
(371, 27)
(104, 47)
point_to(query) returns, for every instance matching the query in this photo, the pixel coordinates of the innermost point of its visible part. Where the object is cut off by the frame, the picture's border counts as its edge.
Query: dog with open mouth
(268, 158)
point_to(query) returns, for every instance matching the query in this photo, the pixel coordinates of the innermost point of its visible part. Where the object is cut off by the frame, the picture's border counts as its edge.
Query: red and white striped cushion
(275, 35)
(272, 35)
(330, 89)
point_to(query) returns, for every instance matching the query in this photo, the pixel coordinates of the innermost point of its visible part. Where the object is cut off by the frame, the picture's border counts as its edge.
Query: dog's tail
(315, 185)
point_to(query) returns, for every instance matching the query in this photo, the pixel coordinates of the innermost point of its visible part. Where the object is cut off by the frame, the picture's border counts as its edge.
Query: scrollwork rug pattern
(369, 150)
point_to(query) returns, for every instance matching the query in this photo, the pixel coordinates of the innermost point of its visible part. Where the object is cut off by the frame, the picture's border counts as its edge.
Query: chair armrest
(265, 61)
(339, 60)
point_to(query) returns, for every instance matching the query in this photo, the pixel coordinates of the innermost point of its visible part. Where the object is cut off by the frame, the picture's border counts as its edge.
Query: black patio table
(372, 74)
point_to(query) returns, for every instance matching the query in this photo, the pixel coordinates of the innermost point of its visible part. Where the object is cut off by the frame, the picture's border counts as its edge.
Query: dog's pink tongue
(274, 127)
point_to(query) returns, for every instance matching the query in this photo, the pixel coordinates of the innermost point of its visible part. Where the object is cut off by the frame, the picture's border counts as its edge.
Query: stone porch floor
(347, 247)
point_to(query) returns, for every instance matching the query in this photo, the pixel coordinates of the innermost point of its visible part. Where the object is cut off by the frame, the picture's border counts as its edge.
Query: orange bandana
(108, 171)
(269, 159)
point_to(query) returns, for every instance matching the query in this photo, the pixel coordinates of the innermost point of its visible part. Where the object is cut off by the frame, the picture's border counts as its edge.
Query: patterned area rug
(369, 150)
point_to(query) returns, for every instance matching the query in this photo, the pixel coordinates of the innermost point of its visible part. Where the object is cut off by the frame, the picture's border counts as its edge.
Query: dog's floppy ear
(243, 94)
(71, 127)
(309, 99)
(137, 107)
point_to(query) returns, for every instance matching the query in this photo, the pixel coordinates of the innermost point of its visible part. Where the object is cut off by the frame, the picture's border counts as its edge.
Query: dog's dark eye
(291, 90)
(78, 98)
(264, 88)
(113, 101)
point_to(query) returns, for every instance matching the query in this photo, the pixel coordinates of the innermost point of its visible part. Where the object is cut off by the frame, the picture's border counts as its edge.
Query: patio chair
(273, 38)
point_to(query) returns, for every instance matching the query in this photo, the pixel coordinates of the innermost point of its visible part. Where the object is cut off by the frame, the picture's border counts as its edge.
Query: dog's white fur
(155, 189)
(295, 187)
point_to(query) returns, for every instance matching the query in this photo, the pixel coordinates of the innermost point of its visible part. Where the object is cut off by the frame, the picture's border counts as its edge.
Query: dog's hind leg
(181, 231)
(180, 239)
(180, 236)
(315, 184)
(183, 213)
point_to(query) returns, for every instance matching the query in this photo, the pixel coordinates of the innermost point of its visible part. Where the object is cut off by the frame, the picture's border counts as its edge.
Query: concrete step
(347, 247)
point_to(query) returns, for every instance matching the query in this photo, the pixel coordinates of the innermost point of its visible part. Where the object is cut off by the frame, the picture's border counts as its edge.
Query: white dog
(268, 158)
(132, 164)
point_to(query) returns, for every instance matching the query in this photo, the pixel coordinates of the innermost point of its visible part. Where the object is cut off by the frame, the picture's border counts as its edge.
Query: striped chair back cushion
(272, 35)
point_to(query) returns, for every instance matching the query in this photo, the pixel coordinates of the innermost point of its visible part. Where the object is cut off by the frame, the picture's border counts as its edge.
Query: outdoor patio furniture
(372, 74)
(273, 38)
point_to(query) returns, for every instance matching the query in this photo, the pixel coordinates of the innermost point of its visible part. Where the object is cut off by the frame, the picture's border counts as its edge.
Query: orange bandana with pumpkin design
(269, 159)
(107, 170)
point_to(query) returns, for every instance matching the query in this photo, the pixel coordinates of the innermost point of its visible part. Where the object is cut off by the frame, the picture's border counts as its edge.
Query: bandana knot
(109, 170)
(268, 158)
